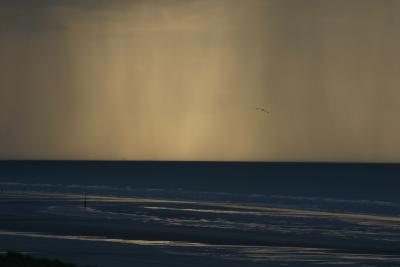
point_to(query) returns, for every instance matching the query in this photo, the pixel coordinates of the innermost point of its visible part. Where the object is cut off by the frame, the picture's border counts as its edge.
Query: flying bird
(263, 110)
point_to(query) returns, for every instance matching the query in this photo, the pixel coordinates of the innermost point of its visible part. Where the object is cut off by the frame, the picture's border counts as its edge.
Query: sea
(157, 213)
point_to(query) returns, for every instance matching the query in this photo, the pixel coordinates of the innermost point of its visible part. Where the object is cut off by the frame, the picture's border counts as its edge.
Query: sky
(182, 80)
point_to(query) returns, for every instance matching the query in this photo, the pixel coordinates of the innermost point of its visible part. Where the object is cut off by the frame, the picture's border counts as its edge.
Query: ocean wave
(228, 196)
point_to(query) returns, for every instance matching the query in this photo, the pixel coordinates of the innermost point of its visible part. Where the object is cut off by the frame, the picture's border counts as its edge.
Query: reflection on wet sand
(248, 232)
(238, 252)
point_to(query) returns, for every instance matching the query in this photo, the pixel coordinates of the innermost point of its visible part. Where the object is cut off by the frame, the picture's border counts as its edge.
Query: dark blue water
(239, 214)
(343, 181)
